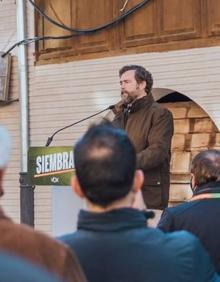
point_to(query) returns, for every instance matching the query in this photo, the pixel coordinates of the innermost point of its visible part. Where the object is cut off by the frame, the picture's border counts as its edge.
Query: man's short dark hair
(141, 74)
(206, 167)
(105, 163)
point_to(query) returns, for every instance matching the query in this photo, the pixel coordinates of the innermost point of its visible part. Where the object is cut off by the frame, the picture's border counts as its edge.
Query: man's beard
(127, 98)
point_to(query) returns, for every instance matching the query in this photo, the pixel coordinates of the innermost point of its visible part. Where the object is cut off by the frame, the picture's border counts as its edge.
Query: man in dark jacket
(201, 215)
(150, 128)
(24, 241)
(113, 242)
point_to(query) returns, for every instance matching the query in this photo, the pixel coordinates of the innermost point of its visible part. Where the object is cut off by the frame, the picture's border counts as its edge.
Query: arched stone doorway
(194, 131)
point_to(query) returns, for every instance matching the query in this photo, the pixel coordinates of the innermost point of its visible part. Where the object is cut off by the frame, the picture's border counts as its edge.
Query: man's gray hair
(5, 147)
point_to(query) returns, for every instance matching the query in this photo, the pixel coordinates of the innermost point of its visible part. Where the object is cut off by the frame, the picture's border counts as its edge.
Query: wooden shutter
(160, 25)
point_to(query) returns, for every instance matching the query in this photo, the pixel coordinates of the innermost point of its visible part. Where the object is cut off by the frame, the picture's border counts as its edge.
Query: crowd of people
(118, 166)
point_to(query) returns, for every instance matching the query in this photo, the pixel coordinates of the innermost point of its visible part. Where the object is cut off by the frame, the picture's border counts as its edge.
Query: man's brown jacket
(150, 128)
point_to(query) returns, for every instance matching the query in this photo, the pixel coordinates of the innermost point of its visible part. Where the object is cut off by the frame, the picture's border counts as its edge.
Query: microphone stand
(50, 139)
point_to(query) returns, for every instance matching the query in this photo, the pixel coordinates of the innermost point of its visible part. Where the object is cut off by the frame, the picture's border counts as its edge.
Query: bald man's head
(206, 167)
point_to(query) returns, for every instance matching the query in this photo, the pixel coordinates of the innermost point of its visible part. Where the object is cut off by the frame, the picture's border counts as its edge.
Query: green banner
(50, 165)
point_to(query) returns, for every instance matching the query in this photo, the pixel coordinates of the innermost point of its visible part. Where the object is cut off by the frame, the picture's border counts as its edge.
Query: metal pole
(26, 190)
(26, 200)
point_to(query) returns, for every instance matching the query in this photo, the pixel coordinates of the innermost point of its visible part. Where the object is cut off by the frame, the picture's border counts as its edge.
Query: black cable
(50, 139)
(77, 32)
(91, 30)
(6, 103)
(34, 39)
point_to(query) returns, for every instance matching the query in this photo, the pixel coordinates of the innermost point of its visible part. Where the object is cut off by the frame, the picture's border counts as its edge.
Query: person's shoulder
(186, 251)
(33, 238)
(160, 110)
(40, 248)
(172, 241)
(71, 239)
(174, 218)
(181, 241)
(16, 268)
(181, 237)
(43, 238)
(182, 208)
(176, 240)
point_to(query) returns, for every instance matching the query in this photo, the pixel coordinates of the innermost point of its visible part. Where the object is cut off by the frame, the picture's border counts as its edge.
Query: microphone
(50, 139)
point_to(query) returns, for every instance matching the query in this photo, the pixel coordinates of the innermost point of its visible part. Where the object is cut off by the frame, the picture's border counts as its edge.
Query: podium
(54, 166)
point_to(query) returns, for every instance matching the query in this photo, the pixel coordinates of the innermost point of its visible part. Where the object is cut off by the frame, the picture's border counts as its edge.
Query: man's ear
(138, 180)
(193, 181)
(76, 187)
(142, 85)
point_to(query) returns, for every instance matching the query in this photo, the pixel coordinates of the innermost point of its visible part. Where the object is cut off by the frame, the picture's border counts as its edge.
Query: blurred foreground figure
(16, 269)
(34, 246)
(113, 242)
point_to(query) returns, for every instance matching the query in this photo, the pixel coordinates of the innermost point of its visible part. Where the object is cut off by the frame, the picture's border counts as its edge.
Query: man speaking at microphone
(150, 128)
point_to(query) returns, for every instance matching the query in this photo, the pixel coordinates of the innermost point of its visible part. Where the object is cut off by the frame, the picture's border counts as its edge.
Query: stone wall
(193, 131)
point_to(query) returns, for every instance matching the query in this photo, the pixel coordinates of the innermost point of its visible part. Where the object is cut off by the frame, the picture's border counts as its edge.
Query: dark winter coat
(117, 246)
(150, 128)
(200, 217)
